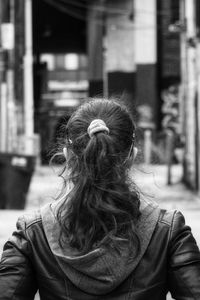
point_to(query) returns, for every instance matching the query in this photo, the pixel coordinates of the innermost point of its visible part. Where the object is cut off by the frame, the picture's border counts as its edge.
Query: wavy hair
(101, 207)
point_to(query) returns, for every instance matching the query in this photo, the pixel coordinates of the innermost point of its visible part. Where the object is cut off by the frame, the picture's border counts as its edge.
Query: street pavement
(151, 181)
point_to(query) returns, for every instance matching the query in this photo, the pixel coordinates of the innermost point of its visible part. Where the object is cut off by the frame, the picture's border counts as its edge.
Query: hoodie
(101, 270)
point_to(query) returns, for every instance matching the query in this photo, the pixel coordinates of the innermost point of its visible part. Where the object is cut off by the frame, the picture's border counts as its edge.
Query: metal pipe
(28, 78)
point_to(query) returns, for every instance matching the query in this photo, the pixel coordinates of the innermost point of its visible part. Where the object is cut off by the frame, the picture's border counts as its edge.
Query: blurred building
(189, 28)
(136, 50)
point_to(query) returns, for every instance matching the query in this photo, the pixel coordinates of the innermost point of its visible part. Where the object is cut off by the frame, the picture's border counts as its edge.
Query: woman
(99, 240)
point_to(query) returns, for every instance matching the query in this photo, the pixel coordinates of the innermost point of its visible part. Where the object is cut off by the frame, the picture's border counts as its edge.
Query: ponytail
(100, 208)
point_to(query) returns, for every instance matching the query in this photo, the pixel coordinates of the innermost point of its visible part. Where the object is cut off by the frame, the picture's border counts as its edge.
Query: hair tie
(97, 125)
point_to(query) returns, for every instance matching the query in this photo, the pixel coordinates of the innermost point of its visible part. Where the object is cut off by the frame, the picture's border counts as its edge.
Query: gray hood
(100, 271)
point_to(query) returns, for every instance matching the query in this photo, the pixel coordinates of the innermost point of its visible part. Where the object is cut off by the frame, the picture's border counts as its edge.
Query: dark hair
(101, 207)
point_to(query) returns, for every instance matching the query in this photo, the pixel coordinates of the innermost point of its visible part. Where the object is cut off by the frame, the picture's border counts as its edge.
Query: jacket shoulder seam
(164, 217)
(172, 226)
(37, 220)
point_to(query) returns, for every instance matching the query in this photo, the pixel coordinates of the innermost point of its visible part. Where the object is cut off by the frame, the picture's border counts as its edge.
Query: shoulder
(27, 220)
(180, 236)
(183, 248)
(171, 218)
(174, 219)
(35, 219)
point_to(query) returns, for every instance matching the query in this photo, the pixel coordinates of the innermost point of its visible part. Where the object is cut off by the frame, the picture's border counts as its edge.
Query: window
(71, 61)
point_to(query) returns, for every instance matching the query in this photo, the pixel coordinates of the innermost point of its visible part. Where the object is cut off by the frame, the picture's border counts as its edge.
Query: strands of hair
(101, 208)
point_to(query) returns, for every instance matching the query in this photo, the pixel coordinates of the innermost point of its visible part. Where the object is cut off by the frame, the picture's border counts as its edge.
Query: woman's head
(99, 142)
(109, 147)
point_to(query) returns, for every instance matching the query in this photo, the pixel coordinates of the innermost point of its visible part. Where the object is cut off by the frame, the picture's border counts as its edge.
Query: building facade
(136, 50)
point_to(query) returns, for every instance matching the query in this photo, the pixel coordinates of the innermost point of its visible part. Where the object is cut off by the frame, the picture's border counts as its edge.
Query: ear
(135, 151)
(132, 157)
(65, 152)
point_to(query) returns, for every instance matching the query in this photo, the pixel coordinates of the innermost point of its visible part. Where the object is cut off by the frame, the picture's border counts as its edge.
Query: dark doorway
(60, 63)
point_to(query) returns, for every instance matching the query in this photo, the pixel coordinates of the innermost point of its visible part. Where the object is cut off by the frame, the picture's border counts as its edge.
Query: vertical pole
(95, 49)
(170, 152)
(3, 117)
(147, 146)
(2, 64)
(197, 8)
(7, 76)
(184, 71)
(105, 73)
(184, 83)
(198, 116)
(3, 103)
(28, 79)
(12, 124)
(191, 93)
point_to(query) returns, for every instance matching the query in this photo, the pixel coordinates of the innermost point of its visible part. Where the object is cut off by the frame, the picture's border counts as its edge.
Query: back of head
(103, 151)
(100, 208)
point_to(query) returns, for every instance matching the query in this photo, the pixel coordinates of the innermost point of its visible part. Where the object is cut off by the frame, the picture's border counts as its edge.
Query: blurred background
(56, 53)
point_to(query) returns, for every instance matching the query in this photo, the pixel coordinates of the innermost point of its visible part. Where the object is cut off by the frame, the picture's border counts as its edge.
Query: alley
(57, 54)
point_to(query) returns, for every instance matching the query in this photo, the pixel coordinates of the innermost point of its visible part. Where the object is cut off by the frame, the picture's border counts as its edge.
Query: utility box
(15, 176)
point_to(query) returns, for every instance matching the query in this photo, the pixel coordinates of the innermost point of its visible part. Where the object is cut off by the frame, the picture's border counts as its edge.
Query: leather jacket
(169, 260)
